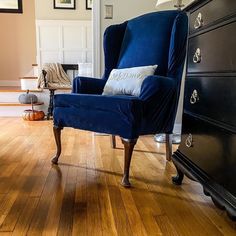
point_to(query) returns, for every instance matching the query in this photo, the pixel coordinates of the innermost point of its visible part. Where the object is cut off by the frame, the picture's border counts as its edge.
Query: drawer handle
(194, 97)
(189, 141)
(197, 56)
(199, 21)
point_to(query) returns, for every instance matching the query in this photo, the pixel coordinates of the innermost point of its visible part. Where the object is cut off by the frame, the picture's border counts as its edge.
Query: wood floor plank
(17, 208)
(26, 215)
(93, 206)
(121, 220)
(107, 219)
(51, 223)
(147, 207)
(52, 186)
(166, 227)
(67, 208)
(80, 206)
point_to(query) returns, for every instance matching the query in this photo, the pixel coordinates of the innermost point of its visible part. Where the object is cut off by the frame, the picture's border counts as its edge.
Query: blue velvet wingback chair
(155, 38)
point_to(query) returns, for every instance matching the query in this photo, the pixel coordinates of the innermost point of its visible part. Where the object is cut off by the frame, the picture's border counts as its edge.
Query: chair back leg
(168, 147)
(113, 141)
(129, 147)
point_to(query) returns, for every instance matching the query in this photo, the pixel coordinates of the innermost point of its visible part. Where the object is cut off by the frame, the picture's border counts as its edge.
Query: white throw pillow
(127, 81)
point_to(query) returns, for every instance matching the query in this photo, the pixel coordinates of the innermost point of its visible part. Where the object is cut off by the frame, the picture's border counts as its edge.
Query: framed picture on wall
(89, 4)
(64, 4)
(11, 6)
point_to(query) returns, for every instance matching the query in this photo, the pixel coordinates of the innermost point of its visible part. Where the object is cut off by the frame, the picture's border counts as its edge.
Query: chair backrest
(154, 38)
(148, 40)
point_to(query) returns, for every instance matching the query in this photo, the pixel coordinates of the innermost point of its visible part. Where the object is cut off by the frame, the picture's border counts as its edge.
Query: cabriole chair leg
(129, 147)
(168, 147)
(57, 136)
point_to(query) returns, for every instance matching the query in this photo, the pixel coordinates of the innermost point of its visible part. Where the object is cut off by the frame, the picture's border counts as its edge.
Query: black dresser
(207, 152)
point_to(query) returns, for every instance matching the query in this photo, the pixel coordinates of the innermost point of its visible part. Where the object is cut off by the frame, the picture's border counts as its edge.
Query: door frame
(96, 25)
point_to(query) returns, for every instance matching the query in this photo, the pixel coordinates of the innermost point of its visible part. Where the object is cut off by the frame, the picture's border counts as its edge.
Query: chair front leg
(129, 147)
(57, 136)
(168, 147)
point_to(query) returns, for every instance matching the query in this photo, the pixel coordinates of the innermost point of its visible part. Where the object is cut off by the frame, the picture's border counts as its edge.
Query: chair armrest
(160, 99)
(157, 87)
(86, 85)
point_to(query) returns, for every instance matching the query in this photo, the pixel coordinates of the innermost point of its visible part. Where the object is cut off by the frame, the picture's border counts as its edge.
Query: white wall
(170, 5)
(63, 35)
(123, 10)
(67, 42)
(44, 11)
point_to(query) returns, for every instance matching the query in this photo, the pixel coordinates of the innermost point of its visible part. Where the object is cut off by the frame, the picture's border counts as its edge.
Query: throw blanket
(56, 77)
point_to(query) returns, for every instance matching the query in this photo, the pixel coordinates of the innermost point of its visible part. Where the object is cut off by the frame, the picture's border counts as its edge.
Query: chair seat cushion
(118, 115)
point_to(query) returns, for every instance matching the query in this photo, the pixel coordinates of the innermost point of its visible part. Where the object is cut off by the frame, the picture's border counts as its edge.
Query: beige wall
(17, 42)
(44, 11)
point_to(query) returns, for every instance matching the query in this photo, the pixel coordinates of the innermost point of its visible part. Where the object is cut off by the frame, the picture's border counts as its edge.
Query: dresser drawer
(213, 51)
(213, 97)
(211, 149)
(211, 12)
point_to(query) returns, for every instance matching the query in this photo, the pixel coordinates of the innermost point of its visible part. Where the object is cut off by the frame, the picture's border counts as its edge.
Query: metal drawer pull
(197, 56)
(194, 97)
(189, 141)
(199, 21)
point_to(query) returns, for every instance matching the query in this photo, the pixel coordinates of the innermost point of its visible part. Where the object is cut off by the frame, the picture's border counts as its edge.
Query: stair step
(14, 109)
(17, 104)
(5, 89)
(29, 77)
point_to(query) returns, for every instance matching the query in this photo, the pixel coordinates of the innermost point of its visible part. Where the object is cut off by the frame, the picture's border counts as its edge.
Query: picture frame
(11, 6)
(64, 4)
(89, 4)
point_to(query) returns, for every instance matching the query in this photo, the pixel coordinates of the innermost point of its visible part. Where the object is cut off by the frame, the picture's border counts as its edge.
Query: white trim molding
(96, 29)
(64, 41)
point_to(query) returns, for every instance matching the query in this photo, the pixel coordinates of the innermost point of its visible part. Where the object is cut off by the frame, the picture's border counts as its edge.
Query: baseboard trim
(13, 83)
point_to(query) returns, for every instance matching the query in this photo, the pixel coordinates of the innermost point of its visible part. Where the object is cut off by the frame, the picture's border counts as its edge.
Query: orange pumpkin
(33, 115)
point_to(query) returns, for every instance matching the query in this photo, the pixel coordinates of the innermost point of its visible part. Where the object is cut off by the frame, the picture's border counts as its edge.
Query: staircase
(9, 104)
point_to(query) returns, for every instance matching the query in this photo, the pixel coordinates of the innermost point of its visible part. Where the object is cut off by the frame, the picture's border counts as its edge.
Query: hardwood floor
(83, 195)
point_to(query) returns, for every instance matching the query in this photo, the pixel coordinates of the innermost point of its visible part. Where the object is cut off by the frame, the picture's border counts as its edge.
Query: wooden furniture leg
(177, 180)
(129, 147)
(113, 141)
(168, 147)
(50, 107)
(57, 136)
